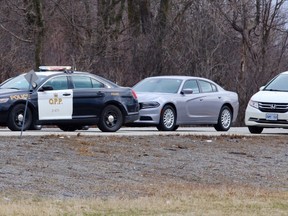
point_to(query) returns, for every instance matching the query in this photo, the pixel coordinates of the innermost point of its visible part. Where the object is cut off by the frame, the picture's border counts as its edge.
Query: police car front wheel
(111, 119)
(16, 118)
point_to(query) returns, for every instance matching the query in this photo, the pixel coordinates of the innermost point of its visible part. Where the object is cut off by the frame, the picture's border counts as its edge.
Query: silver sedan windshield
(158, 85)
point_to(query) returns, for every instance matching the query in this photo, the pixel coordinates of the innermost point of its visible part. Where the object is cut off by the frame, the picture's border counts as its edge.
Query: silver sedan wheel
(168, 118)
(226, 118)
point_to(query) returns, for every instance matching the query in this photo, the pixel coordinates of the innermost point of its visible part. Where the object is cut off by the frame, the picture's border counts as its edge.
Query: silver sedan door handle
(66, 94)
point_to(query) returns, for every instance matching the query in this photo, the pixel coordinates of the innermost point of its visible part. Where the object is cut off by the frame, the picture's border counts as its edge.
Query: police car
(69, 99)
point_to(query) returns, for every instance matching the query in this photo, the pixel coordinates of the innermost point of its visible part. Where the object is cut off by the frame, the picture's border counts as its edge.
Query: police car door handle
(100, 94)
(66, 94)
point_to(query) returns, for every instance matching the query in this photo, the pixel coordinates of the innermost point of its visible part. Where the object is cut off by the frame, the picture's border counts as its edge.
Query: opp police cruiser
(66, 98)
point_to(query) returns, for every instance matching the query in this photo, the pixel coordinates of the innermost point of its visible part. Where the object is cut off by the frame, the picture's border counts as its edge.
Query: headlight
(147, 105)
(3, 100)
(253, 104)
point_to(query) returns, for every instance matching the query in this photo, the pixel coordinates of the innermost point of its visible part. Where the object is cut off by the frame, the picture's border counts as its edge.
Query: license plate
(271, 116)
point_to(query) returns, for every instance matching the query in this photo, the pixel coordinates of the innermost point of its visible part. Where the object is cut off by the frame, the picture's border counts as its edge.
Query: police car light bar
(55, 68)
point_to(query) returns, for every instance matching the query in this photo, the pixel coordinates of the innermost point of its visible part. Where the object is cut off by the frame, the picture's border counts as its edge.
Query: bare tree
(257, 23)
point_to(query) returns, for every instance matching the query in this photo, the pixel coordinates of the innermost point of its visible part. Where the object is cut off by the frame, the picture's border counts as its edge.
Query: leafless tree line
(240, 44)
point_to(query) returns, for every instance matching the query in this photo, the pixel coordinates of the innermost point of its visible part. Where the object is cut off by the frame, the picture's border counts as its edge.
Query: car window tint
(86, 82)
(214, 88)
(161, 85)
(58, 83)
(191, 84)
(97, 84)
(205, 86)
(81, 82)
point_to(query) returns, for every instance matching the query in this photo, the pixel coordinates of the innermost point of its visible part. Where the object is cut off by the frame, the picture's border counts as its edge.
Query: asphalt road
(145, 131)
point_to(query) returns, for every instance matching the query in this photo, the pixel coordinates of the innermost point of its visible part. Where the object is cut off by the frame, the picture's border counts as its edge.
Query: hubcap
(226, 118)
(111, 118)
(20, 118)
(168, 118)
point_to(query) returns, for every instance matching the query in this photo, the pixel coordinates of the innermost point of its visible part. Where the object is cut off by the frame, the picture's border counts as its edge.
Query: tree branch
(14, 35)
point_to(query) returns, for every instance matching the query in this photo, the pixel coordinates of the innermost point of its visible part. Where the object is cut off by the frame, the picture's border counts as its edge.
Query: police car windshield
(18, 82)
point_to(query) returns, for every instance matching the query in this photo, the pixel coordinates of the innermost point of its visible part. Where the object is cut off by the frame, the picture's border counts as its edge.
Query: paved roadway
(145, 131)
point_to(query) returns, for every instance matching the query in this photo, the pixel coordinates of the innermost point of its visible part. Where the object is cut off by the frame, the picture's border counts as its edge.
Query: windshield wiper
(276, 90)
(14, 88)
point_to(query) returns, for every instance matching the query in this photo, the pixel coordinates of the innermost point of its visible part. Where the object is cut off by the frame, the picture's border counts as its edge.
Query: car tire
(224, 119)
(16, 116)
(167, 119)
(111, 119)
(35, 127)
(85, 127)
(255, 130)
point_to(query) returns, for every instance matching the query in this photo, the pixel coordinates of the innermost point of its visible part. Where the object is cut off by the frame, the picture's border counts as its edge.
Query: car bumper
(131, 117)
(254, 117)
(148, 116)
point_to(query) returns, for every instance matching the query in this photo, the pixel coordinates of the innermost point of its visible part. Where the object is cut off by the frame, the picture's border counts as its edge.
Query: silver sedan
(170, 101)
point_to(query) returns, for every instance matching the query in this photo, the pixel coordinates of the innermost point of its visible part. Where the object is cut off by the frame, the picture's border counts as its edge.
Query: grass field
(176, 200)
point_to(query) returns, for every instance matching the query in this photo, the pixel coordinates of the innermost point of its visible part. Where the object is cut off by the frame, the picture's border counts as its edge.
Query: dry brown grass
(177, 200)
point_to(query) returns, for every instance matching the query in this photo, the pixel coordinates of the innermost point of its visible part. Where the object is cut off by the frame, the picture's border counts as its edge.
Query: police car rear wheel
(111, 119)
(16, 117)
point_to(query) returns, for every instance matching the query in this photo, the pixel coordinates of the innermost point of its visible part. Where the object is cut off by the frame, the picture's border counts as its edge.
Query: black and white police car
(69, 99)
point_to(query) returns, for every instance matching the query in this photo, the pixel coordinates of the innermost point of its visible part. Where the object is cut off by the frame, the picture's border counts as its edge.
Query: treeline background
(240, 44)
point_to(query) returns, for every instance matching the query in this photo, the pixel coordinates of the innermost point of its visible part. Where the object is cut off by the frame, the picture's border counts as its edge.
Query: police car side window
(86, 82)
(81, 82)
(58, 83)
(97, 84)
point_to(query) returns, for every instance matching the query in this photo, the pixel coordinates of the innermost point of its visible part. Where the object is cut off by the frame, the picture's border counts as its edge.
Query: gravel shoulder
(85, 166)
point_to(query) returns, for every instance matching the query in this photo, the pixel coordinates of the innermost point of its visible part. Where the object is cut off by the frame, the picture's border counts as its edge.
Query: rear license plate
(272, 116)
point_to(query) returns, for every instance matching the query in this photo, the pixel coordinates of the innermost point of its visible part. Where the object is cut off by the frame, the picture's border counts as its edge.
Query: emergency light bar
(55, 68)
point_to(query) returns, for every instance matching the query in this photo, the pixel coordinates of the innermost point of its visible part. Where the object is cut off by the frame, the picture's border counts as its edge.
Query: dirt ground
(83, 167)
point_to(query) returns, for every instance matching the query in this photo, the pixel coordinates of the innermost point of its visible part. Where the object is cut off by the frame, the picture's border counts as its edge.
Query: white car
(268, 108)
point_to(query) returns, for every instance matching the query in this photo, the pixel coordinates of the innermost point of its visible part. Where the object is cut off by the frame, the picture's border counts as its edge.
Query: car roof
(178, 77)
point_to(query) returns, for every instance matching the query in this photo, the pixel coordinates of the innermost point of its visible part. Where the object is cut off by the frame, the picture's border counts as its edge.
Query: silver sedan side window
(191, 84)
(207, 86)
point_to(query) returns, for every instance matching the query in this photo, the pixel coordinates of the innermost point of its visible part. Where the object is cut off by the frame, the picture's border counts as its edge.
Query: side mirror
(261, 88)
(187, 91)
(34, 85)
(46, 88)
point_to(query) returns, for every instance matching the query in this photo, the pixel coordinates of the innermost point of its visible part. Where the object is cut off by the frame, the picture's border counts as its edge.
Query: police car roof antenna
(68, 71)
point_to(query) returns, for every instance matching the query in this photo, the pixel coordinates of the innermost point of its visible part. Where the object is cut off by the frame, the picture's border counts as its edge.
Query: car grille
(273, 107)
(145, 118)
(268, 121)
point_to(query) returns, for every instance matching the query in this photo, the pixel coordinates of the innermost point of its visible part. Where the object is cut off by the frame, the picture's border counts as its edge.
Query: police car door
(55, 99)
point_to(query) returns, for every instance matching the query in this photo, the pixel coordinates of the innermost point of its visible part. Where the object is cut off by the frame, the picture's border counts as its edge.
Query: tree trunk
(39, 37)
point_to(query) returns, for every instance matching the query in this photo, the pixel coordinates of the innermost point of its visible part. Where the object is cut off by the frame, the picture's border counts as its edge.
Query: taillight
(134, 94)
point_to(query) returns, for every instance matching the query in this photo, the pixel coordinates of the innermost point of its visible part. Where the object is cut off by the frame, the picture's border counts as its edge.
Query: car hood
(152, 96)
(270, 97)
(8, 92)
